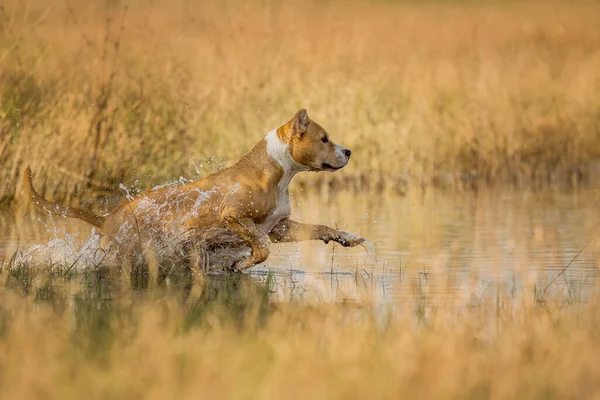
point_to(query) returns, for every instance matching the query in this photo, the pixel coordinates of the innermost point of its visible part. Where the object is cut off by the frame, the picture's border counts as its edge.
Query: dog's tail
(57, 209)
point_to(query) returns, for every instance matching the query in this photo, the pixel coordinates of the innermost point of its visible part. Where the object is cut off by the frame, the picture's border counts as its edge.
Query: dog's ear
(301, 122)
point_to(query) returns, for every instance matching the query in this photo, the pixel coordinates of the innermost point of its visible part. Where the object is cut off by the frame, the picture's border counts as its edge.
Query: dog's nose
(347, 153)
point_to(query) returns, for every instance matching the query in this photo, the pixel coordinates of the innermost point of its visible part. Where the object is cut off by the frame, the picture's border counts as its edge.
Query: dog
(249, 199)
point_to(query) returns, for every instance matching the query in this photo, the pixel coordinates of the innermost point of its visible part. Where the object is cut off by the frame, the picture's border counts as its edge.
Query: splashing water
(370, 249)
(125, 189)
(153, 233)
(218, 249)
(65, 254)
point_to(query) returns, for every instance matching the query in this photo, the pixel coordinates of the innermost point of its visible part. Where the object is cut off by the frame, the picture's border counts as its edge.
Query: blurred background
(455, 94)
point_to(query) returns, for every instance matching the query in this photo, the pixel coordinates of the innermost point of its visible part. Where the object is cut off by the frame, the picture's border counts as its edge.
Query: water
(465, 247)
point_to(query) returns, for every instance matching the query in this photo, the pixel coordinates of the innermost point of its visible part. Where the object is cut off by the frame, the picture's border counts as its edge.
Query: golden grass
(94, 94)
(135, 346)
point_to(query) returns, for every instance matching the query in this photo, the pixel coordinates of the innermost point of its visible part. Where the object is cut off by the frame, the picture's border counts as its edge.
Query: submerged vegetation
(102, 93)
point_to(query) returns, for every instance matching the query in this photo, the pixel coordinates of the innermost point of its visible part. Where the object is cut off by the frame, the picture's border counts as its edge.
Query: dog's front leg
(291, 231)
(245, 229)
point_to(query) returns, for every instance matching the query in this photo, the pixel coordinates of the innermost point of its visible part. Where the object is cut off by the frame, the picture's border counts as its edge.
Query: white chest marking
(280, 152)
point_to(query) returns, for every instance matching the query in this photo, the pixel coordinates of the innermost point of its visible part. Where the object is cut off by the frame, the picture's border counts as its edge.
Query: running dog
(249, 199)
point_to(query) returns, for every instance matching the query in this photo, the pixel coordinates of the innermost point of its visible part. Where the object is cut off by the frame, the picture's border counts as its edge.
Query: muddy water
(464, 247)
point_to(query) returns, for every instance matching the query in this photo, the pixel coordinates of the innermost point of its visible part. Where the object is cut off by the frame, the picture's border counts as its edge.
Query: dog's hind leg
(246, 230)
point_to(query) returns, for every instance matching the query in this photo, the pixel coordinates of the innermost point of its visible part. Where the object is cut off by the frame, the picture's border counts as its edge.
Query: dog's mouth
(329, 167)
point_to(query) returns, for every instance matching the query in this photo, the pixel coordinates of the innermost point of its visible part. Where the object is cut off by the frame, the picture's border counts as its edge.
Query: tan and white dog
(249, 199)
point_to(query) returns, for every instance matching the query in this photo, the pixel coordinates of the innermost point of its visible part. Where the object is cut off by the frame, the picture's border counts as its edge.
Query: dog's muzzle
(343, 154)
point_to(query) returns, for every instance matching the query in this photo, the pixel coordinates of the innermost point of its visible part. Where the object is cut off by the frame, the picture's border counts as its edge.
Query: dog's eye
(324, 140)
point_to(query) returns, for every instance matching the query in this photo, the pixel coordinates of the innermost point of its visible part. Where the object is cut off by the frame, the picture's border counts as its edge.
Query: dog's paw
(348, 239)
(242, 265)
(259, 254)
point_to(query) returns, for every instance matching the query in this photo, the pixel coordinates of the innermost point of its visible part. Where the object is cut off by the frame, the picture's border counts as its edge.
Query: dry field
(229, 341)
(100, 93)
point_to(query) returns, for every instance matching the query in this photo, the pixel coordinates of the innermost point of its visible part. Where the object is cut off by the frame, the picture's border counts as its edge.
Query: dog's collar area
(280, 152)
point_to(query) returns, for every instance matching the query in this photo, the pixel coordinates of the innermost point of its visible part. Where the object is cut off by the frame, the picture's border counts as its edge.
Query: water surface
(461, 246)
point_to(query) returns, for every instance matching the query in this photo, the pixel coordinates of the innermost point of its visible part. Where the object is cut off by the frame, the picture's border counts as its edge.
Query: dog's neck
(280, 152)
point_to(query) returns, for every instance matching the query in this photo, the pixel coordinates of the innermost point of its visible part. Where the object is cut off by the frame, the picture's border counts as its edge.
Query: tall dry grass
(100, 345)
(94, 94)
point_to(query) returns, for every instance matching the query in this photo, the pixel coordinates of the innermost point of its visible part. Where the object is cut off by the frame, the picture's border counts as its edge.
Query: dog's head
(310, 145)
